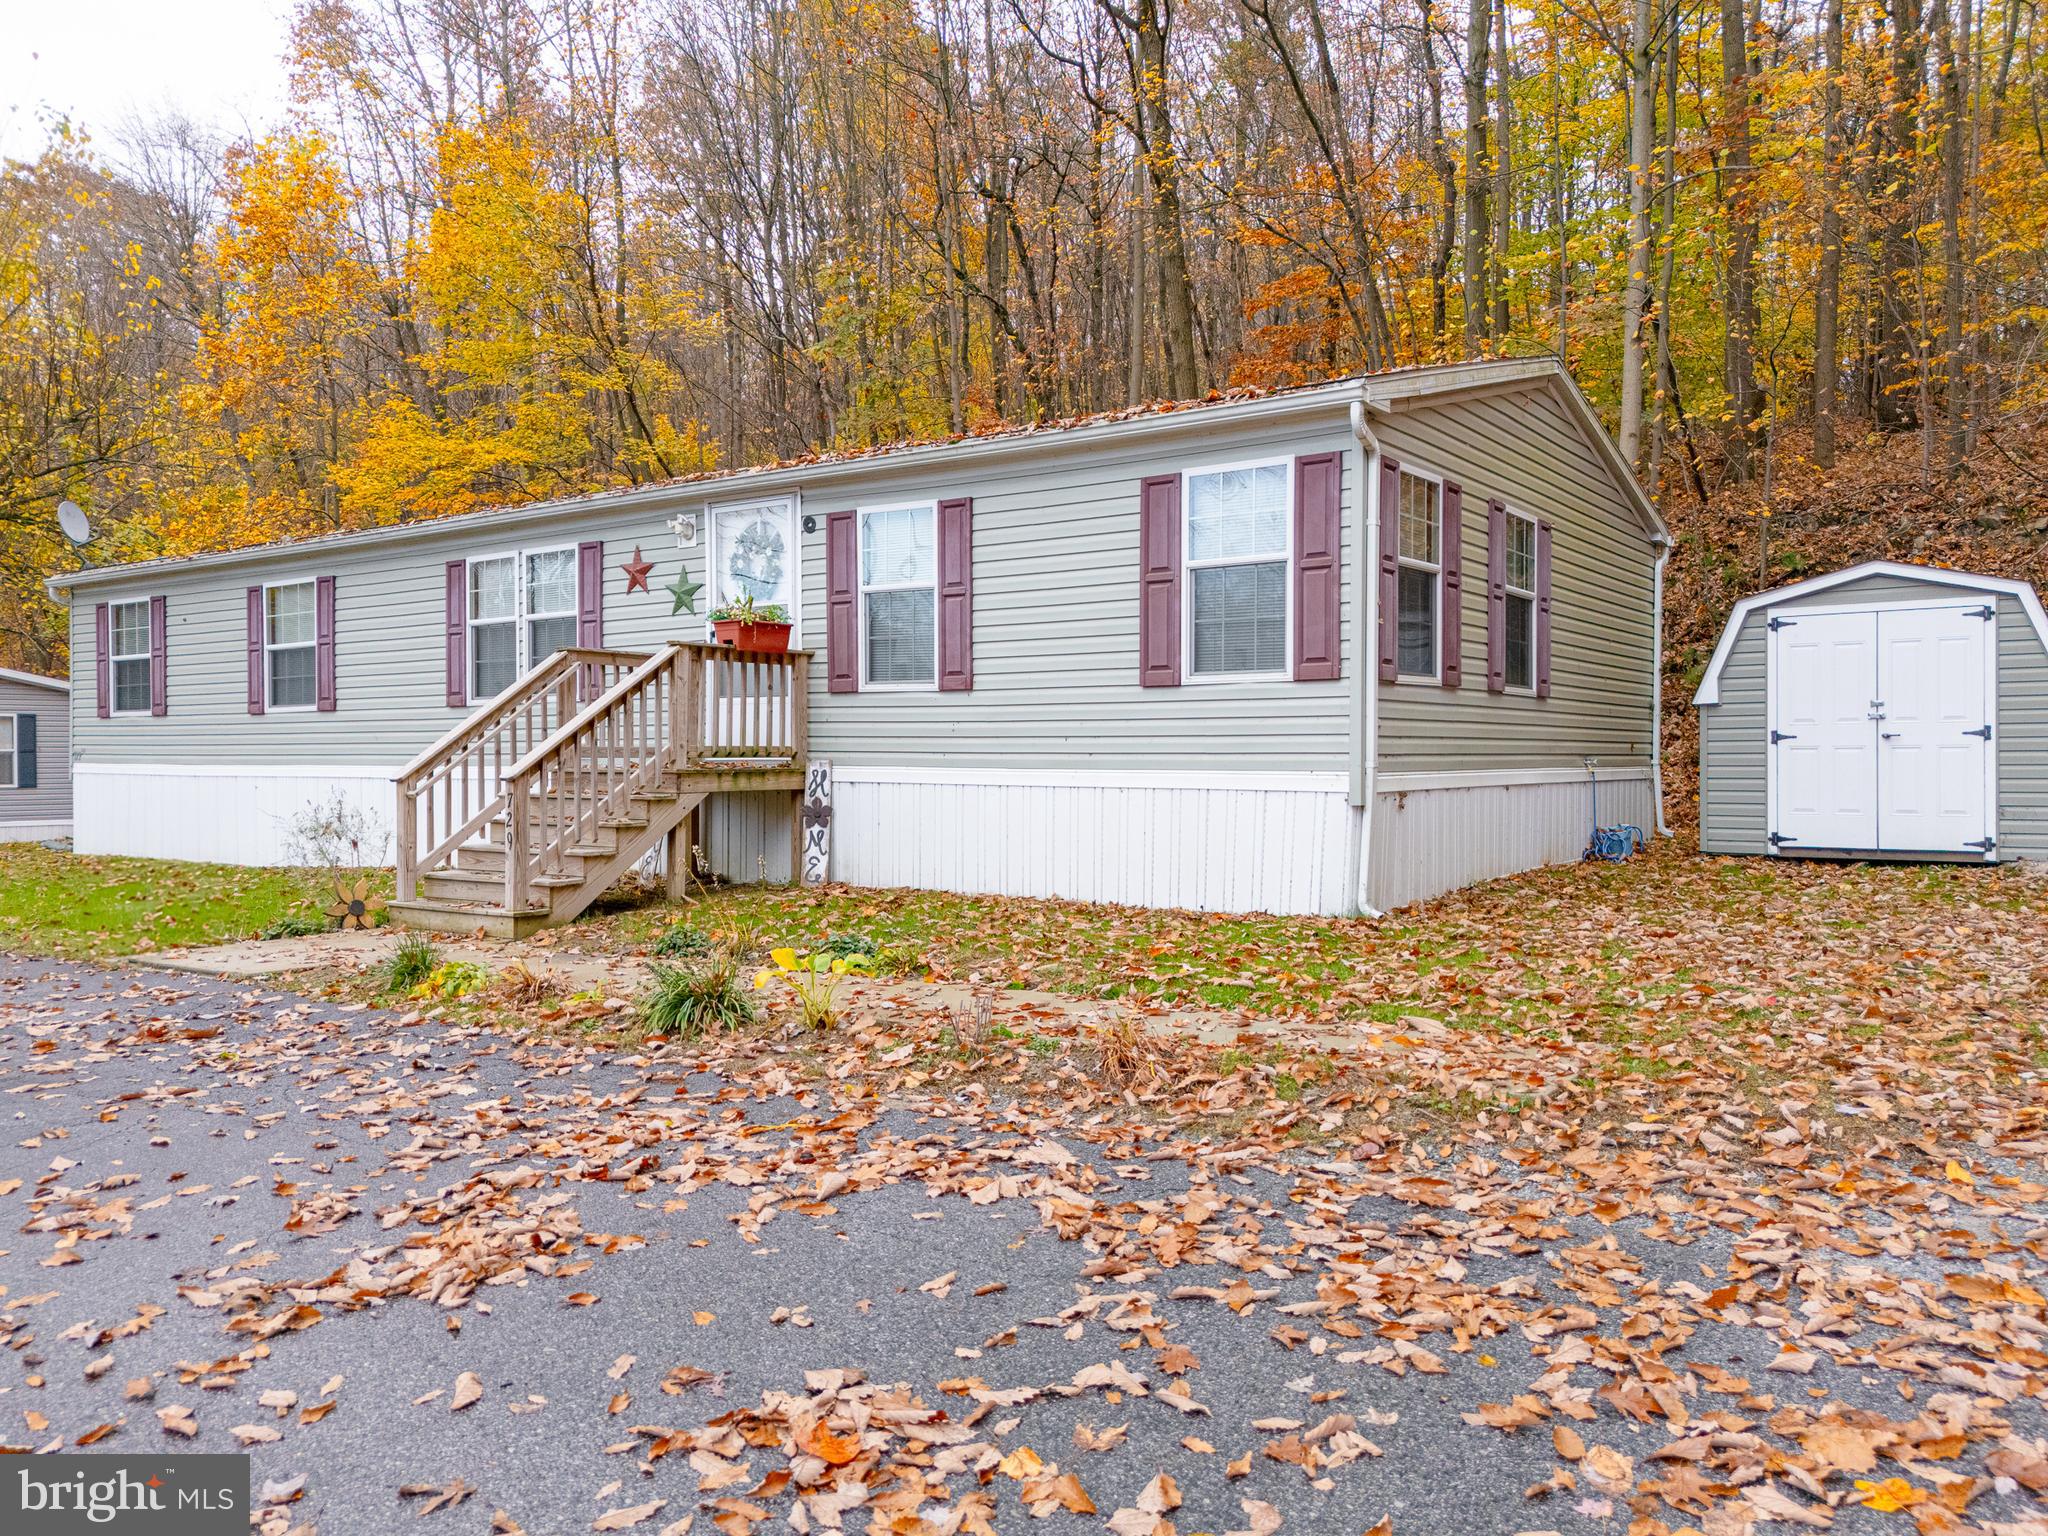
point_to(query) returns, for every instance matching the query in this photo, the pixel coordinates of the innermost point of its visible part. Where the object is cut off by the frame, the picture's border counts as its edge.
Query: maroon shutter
(323, 644)
(1390, 569)
(159, 658)
(1159, 581)
(1496, 597)
(255, 642)
(956, 595)
(1454, 584)
(1543, 610)
(589, 595)
(456, 622)
(1318, 541)
(842, 604)
(101, 668)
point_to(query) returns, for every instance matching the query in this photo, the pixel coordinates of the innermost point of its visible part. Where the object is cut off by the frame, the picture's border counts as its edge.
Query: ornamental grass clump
(686, 1001)
(813, 980)
(411, 963)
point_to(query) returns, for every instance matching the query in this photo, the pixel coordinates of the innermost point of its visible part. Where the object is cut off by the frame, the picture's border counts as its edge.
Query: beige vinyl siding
(1056, 636)
(1527, 451)
(1055, 630)
(1734, 734)
(50, 800)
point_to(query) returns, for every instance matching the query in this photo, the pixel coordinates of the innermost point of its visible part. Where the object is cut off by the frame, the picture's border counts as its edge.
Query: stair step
(558, 882)
(462, 917)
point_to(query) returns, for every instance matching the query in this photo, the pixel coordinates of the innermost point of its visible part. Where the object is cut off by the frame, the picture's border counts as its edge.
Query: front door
(1824, 736)
(1934, 742)
(1881, 730)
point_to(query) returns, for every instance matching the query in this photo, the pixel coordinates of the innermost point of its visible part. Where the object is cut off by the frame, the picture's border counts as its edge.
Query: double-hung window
(9, 776)
(1519, 628)
(522, 609)
(1238, 533)
(289, 633)
(1420, 579)
(899, 599)
(128, 652)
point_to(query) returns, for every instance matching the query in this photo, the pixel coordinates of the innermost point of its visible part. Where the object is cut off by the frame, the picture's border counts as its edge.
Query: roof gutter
(1366, 731)
(1663, 545)
(962, 454)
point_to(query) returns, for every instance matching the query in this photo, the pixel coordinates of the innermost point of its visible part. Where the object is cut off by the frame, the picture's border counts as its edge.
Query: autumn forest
(505, 250)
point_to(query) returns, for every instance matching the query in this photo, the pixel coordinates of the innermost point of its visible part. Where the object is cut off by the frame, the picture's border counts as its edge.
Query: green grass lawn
(81, 907)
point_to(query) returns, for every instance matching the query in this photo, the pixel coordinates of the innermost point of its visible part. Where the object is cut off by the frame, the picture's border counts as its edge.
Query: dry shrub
(1124, 1052)
(525, 987)
(971, 1025)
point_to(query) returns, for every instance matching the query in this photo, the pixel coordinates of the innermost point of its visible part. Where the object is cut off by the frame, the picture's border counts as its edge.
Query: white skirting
(233, 814)
(1426, 841)
(33, 831)
(1266, 842)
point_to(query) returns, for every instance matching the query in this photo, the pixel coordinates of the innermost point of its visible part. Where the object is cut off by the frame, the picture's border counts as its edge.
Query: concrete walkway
(622, 976)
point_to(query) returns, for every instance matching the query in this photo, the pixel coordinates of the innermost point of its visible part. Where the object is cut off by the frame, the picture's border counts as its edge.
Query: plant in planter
(749, 626)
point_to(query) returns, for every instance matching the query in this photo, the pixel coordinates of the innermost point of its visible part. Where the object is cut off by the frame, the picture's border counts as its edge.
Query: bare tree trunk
(1954, 287)
(1740, 199)
(1503, 177)
(1827, 294)
(1895, 384)
(1642, 127)
(1134, 381)
(1176, 293)
(1447, 183)
(1478, 33)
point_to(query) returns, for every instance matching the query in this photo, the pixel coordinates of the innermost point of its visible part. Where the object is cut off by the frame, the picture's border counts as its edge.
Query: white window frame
(792, 513)
(1511, 517)
(1436, 571)
(115, 656)
(12, 755)
(270, 705)
(862, 588)
(1188, 565)
(522, 620)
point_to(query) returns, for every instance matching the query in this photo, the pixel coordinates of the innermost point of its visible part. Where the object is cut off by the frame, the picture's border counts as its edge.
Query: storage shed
(1886, 710)
(35, 757)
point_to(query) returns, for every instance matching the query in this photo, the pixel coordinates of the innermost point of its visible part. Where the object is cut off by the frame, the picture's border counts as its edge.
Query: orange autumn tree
(519, 385)
(282, 356)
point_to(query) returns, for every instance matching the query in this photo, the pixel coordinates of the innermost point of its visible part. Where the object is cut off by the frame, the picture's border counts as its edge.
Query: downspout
(1368, 651)
(1661, 542)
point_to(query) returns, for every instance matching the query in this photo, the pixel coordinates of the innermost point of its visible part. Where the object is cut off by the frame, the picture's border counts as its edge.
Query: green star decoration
(684, 591)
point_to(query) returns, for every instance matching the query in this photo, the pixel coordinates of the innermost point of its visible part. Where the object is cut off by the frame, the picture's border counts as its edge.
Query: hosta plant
(813, 980)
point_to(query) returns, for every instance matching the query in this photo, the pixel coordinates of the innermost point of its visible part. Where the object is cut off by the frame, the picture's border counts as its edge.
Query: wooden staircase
(532, 808)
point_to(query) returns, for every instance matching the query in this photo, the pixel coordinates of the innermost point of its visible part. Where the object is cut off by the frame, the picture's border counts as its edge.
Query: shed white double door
(1881, 723)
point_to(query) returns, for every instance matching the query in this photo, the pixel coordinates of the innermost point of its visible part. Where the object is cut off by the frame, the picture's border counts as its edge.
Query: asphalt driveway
(564, 1285)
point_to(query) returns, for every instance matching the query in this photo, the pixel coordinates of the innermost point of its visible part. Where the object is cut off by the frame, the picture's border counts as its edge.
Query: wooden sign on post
(817, 822)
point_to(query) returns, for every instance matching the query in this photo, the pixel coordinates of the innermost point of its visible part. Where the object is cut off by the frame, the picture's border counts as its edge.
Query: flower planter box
(751, 637)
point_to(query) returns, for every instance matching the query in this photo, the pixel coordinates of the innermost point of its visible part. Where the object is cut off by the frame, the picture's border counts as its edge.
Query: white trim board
(1332, 783)
(1505, 778)
(1709, 691)
(240, 770)
(34, 831)
(34, 680)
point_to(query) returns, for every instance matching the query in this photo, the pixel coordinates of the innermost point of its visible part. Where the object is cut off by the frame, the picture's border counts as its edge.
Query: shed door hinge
(1782, 623)
(1779, 839)
(1985, 843)
(1778, 736)
(1982, 730)
(1986, 612)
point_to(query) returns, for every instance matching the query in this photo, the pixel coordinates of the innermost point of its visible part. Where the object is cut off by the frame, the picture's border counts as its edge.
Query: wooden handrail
(491, 709)
(684, 705)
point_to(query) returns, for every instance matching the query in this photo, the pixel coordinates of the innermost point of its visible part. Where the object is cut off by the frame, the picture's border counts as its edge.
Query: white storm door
(1934, 683)
(1823, 682)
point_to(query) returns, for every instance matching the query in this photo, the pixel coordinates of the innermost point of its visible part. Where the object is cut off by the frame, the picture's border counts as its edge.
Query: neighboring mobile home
(1333, 648)
(35, 757)
(1883, 711)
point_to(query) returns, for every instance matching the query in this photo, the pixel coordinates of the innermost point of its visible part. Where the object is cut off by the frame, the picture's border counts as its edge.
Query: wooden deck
(532, 808)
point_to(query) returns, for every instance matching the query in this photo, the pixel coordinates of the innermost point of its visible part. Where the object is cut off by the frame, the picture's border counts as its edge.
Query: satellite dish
(71, 518)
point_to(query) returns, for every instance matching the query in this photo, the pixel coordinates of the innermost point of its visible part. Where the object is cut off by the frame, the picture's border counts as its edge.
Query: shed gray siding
(1735, 752)
(1055, 578)
(50, 800)
(1526, 450)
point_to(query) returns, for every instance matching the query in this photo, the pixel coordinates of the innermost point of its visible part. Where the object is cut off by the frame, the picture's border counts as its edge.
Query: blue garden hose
(1610, 843)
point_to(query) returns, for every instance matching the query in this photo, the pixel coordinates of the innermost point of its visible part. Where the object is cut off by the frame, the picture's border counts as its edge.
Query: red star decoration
(156, 1482)
(637, 571)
